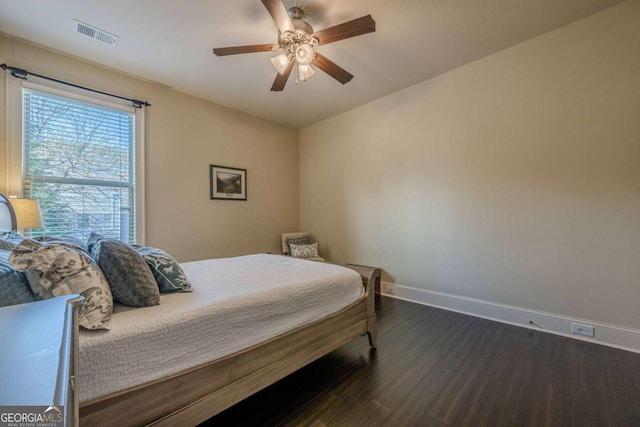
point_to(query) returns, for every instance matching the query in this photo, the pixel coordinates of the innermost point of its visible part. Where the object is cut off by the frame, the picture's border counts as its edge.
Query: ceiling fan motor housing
(298, 45)
(297, 19)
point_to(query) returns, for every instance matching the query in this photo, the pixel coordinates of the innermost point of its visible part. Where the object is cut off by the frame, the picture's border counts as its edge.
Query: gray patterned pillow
(166, 270)
(6, 245)
(54, 269)
(297, 241)
(128, 274)
(14, 288)
(10, 240)
(305, 251)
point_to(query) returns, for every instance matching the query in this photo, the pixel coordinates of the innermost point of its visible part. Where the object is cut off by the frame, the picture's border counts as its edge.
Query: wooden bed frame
(195, 395)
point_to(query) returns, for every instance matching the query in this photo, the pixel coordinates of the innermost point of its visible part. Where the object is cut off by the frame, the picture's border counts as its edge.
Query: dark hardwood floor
(438, 368)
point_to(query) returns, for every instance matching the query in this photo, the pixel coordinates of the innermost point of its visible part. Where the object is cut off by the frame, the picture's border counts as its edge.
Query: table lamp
(28, 213)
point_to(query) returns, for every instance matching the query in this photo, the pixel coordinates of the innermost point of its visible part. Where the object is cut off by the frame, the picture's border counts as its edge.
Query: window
(79, 161)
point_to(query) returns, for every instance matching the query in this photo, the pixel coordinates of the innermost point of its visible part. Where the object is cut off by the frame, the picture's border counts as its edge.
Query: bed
(327, 320)
(218, 355)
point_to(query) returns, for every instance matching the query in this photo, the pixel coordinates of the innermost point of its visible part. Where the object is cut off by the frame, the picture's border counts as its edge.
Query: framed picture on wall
(227, 183)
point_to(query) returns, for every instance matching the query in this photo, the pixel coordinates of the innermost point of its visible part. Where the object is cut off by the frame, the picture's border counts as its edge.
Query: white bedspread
(236, 303)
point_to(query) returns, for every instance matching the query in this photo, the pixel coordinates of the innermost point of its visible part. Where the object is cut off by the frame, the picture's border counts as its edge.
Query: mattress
(235, 304)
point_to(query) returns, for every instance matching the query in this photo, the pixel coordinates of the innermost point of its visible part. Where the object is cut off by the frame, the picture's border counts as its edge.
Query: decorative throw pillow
(6, 245)
(166, 270)
(129, 276)
(54, 269)
(297, 241)
(92, 240)
(10, 240)
(305, 251)
(14, 288)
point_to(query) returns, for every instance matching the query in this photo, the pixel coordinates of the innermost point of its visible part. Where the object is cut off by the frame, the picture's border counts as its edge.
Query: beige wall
(514, 179)
(184, 136)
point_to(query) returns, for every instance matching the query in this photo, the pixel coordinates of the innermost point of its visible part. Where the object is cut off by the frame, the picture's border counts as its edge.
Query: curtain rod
(22, 74)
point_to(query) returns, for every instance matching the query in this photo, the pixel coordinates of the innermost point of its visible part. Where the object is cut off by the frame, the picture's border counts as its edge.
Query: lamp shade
(304, 54)
(305, 71)
(280, 63)
(28, 213)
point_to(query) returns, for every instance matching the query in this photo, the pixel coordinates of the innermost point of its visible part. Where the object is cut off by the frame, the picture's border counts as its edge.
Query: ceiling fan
(297, 42)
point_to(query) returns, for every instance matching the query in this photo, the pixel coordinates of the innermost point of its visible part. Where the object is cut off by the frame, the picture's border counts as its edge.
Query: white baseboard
(609, 335)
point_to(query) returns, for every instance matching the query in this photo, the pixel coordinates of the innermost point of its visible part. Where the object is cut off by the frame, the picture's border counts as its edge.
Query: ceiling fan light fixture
(304, 54)
(305, 71)
(280, 62)
(297, 42)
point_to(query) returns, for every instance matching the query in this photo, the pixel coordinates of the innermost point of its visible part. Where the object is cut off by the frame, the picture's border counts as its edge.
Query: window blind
(79, 162)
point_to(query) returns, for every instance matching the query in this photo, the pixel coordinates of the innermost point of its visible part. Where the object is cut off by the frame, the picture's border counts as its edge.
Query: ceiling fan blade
(235, 50)
(353, 28)
(279, 14)
(281, 79)
(333, 69)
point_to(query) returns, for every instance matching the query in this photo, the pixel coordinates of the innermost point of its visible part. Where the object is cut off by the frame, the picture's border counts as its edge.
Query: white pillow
(305, 251)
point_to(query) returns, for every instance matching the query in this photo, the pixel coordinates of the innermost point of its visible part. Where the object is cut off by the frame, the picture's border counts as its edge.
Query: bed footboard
(370, 279)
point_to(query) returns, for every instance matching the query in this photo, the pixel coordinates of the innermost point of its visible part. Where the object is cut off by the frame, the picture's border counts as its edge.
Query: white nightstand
(38, 361)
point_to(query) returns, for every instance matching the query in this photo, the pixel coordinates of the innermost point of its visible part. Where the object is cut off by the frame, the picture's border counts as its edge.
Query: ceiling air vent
(94, 33)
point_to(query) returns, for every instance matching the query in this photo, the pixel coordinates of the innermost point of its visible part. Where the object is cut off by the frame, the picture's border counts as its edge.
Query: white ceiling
(171, 41)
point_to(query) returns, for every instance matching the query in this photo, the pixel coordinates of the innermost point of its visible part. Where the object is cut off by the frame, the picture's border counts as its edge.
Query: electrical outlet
(391, 289)
(581, 329)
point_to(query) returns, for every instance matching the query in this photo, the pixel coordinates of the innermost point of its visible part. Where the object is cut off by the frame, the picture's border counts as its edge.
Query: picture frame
(227, 183)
